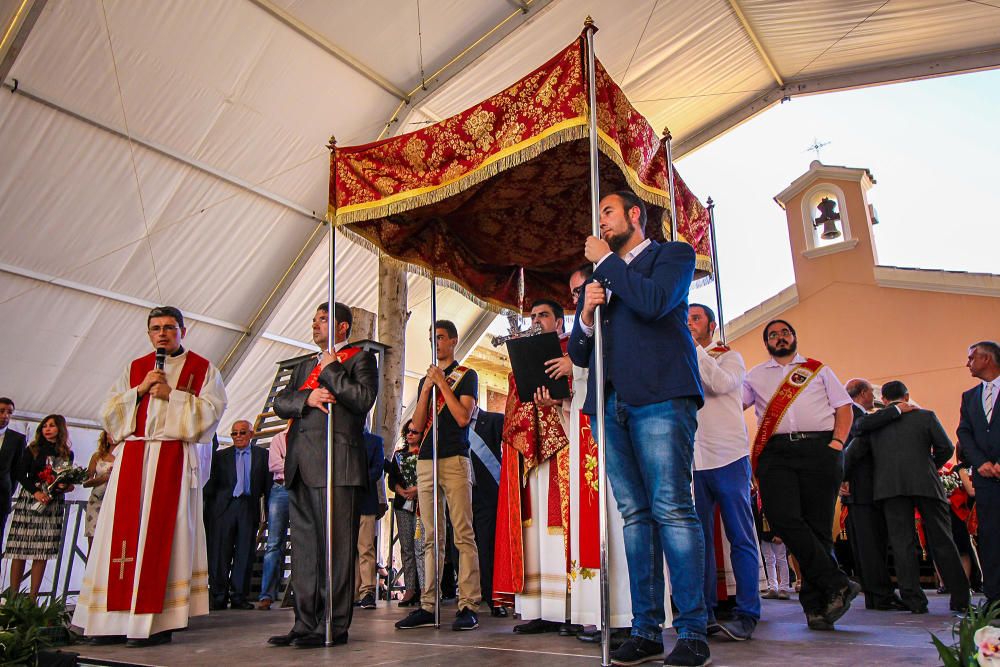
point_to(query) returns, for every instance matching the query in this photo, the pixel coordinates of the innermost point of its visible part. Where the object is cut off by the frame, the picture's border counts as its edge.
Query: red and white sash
(791, 387)
(163, 510)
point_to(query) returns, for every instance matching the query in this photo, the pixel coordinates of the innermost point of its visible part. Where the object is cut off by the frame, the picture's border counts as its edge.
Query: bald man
(239, 479)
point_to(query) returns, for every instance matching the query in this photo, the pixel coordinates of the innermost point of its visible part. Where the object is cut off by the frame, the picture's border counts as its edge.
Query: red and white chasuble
(585, 536)
(531, 558)
(148, 569)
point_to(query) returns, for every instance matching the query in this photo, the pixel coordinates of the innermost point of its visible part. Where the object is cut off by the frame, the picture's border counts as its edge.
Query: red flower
(46, 475)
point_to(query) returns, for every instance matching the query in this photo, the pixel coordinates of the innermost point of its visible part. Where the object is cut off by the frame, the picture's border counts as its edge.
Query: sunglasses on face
(236, 433)
(410, 431)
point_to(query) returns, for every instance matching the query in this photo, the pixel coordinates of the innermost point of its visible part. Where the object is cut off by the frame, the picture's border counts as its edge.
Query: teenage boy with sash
(148, 569)
(804, 417)
(457, 393)
(345, 381)
(532, 546)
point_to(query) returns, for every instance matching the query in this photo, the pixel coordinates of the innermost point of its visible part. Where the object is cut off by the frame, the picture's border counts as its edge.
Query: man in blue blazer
(979, 446)
(652, 396)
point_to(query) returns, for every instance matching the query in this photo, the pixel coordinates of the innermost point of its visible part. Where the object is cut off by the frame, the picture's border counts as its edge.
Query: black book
(527, 357)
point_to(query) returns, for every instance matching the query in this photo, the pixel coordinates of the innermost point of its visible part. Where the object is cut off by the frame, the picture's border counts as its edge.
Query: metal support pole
(390, 577)
(715, 272)
(434, 456)
(331, 335)
(674, 217)
(595, 219)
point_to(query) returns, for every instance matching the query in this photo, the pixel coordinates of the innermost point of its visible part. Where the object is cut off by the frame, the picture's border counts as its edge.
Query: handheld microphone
(161, 357)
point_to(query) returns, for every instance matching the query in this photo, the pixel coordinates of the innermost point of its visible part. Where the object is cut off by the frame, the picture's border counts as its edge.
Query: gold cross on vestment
(121, 562)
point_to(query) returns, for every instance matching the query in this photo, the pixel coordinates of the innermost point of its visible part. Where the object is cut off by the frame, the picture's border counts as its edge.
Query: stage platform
(229, 637)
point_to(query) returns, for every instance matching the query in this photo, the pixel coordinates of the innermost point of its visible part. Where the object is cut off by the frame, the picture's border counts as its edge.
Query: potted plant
(976, 639)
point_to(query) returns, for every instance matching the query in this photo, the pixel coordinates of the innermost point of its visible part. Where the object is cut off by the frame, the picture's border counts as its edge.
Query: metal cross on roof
(816, 145)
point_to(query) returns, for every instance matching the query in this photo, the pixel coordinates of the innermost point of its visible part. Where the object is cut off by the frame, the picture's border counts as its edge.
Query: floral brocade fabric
(505, 185)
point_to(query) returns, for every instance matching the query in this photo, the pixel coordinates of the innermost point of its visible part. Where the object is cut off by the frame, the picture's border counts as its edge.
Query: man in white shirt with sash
(803, 416)
(722, 474)
(148, 569)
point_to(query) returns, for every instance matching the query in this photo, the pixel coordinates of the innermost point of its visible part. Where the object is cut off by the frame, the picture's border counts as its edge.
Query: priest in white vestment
(148, 568)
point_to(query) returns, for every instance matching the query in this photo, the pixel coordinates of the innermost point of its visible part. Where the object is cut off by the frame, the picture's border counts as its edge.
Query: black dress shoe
(888, 604)
(536, 627)
(412, 602)
(318, 640)
(569, 629)
(286, 639)
(105, 640)
(499, 612)
(153, 640)
(242, 604)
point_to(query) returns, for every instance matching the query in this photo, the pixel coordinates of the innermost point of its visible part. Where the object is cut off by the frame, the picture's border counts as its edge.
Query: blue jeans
(274, 553)
(728, 488)
(650, 451)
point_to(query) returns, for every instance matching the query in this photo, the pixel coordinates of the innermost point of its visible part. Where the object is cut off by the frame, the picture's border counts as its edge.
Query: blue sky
(933, 147)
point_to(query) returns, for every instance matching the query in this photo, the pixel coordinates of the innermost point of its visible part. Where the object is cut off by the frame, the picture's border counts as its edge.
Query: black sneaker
(637, 650)
(465, 619)
(689, 653)
(368, 601)
(841, 601)
(418, 618)
(739, 628)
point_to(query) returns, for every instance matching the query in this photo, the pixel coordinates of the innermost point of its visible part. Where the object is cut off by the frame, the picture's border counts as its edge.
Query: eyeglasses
(410, 431)
(784, 333)
(236, 433)
(166, 328)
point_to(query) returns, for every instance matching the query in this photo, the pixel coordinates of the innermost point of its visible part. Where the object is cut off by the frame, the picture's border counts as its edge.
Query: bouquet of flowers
(408, 469)
(54, 479)
(951, 481)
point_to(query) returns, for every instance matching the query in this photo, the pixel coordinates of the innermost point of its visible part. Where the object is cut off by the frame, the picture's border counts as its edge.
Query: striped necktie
(990, 400)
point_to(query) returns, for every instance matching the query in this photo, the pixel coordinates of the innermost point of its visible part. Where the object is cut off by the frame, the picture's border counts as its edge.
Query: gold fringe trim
(560, 133)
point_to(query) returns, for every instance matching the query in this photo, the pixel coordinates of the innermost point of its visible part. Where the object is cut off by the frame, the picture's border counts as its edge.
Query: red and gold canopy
(505, 185)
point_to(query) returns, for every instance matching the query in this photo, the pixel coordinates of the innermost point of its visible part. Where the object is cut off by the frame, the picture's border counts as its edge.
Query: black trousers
(936, 521)
(232, 544)
(869, 539)
(484, 524)
(799, 482)
(307, 519)
(988, 541)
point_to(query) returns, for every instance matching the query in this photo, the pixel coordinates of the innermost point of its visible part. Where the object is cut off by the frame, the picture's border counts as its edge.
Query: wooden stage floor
(229, 637)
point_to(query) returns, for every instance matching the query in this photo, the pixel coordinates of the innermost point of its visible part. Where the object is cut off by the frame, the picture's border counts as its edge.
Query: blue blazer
(649, 355)
(979, 442)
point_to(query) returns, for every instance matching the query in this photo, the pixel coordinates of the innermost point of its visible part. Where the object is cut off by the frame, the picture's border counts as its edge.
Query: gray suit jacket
(355, 384)
(907, 449)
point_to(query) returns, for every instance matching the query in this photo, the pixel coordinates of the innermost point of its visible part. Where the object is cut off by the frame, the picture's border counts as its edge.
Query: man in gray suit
(347, 383)
(908, 446)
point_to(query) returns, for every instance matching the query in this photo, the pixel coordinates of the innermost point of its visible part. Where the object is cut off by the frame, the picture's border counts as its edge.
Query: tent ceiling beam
(527, 10)
(265, 313)
(16, 26)
(331, 48)
(752, 34)
(140, 303)
(913, 71)
(166, 151)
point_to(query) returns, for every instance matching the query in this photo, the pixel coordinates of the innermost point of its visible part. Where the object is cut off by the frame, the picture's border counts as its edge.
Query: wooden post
(392, 318)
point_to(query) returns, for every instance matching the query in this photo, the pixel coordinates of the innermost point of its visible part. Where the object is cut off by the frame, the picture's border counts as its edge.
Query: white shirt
(629, 256)
(721, 437)
(986, 390)
(812, 410)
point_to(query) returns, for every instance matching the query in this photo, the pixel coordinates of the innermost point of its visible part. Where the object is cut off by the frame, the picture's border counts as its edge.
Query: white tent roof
(174, 152)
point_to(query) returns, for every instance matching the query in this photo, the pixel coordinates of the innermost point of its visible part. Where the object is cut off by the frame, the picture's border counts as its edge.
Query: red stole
(312, 382)
(536, 434)
(163, 509)
(797, 379)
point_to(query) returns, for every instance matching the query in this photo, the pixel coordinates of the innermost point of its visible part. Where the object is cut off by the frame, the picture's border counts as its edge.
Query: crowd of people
(516, 512)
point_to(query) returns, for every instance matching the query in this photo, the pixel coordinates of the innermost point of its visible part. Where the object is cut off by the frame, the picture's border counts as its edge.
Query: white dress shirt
(721, 437)
(629, 256)
(812, 410)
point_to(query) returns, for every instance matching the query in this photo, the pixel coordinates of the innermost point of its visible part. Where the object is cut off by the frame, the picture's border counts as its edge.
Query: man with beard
(653, 393)
(803, 416)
